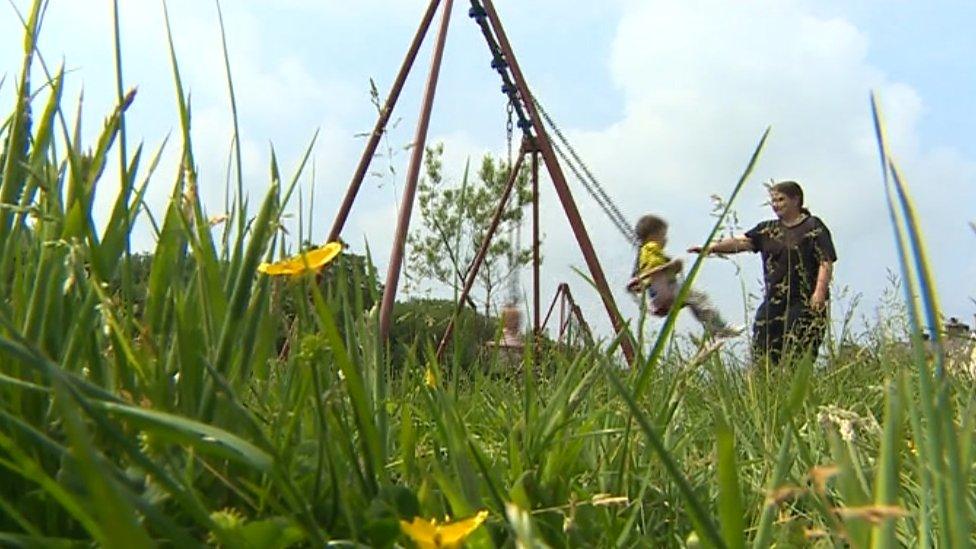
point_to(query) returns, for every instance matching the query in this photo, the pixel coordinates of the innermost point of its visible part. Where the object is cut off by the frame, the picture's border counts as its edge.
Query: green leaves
(935, 431)
(176, 429)
(731, 509)
(455, 220)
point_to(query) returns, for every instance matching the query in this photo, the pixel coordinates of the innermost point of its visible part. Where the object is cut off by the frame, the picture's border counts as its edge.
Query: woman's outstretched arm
(731, 245)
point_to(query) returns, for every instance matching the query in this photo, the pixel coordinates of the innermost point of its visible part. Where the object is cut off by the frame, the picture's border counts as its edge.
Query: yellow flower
(429, 379)
(312, 260)
(428, 534)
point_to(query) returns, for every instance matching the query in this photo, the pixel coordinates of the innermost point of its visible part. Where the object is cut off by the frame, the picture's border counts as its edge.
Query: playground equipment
(572, 325)
(536, 143)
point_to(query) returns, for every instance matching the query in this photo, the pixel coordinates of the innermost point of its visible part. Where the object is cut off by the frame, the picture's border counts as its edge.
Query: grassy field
(184, 399)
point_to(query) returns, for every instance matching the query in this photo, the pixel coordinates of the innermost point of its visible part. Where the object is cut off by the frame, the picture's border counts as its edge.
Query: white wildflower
(848, 423)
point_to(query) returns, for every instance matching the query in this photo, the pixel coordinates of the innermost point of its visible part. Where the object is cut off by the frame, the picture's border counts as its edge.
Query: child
(657, 274)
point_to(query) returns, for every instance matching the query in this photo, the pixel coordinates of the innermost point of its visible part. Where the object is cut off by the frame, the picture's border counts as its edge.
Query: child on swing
(657, 274)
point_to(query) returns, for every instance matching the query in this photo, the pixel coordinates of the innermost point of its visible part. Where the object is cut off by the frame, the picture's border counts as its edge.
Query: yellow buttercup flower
(428, 534)
(312, 260)
(429, 379)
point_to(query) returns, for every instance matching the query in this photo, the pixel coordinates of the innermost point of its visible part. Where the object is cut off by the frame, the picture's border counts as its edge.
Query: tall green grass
(205, 404)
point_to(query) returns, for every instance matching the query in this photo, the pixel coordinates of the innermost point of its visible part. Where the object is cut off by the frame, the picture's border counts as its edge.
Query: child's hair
(791, 189)
(648, 226)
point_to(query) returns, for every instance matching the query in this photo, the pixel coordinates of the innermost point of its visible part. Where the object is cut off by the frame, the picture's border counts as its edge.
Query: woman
(798, 257)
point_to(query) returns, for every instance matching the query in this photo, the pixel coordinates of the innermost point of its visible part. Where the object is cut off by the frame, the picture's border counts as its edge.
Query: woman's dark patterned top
(791, 258)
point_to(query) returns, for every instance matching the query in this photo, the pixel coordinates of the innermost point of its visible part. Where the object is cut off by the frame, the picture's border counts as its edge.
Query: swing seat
(641, 282)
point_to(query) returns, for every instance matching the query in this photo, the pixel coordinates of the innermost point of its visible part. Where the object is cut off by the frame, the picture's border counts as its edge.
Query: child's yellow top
(651, 256)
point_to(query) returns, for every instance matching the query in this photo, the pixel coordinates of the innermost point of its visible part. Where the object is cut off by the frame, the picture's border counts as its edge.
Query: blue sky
(926, 44)
(664, 100)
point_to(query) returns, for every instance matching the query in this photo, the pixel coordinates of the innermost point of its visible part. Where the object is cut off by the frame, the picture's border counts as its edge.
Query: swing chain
(509, 127)
(590, 183)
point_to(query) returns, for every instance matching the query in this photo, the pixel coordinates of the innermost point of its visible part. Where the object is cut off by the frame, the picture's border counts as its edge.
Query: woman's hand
(819, 298)
(818, 301)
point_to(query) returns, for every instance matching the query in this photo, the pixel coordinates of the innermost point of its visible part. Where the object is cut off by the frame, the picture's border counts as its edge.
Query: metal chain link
(509, 127)
(589, 181)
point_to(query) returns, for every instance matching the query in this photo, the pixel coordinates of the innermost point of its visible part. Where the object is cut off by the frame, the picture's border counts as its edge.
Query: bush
(419, 324)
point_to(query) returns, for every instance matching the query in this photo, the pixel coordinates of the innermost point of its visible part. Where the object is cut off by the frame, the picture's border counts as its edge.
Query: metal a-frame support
(516, 88)
(568, 312)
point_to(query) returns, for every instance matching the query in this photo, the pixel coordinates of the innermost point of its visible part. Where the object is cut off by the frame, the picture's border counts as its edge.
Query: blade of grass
(703, 522)
(886, 484)
(205, 438)
(262, 233)
(118, 525)
(240, 206)
(940, 445)
(26, 467)
(784, 459)
(364, 413)
(17, 143)
(730, 505)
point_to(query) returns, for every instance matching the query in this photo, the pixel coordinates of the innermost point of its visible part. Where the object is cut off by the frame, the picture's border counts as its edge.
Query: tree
(455, 222)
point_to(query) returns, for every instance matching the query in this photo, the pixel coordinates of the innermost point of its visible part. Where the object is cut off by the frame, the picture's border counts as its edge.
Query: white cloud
(701, 80)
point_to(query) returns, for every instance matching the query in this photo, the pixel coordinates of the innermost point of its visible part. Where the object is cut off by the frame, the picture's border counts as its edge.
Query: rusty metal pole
(552, 305)
(381, 122)
(482, 252)
(564, 318)
(562, 314)
(584, 327)
(536, 259)
(562, 188)
(413, 172)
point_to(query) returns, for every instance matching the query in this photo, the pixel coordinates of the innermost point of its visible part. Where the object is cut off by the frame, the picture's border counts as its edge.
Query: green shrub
(419, 324)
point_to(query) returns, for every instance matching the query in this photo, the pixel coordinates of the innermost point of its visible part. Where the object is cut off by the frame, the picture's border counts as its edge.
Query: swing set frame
(535, 143)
